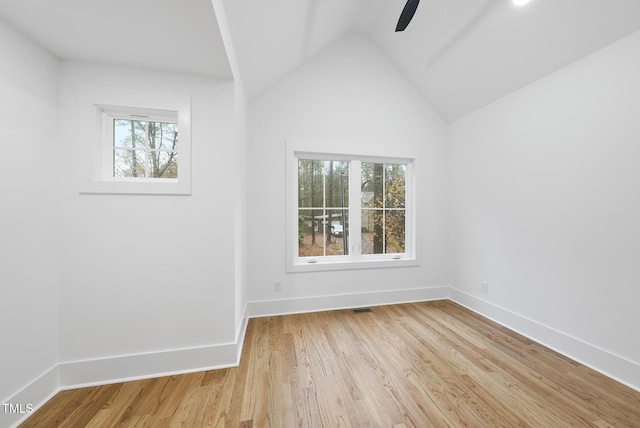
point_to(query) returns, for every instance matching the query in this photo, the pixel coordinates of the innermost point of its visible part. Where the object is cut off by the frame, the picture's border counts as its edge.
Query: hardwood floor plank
(412, 365)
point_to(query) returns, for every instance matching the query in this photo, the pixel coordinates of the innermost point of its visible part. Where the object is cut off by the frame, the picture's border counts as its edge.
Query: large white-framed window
(350, 206)
(134, 142)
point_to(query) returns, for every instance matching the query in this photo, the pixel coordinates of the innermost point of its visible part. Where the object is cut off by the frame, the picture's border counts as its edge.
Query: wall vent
(361, 310)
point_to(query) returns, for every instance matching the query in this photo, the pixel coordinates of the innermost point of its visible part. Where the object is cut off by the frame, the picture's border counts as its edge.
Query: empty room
(320, 213)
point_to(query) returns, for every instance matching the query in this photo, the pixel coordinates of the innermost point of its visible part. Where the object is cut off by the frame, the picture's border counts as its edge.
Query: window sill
(136, 187)
(320, 266)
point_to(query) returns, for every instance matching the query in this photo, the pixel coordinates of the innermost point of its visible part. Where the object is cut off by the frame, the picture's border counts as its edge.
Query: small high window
(137, 142)
(143, 146)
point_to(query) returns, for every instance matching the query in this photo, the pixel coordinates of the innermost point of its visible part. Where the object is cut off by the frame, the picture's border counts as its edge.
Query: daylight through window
(145, 148)
(383, 208)
(351, 210)
(323, 202)
(133, 142)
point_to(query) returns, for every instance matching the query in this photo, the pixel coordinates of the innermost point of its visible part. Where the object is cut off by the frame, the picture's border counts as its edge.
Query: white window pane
(383, 185)
(323, 183)
(311, 233)
(383, 231)
(164, 164)
(140, 163)
(145, 149)
(127, 163)
(371, 237)
(164, 135)
(337, 184)
(337, 243)
(323, 233)
(395, 185)
(394, 231)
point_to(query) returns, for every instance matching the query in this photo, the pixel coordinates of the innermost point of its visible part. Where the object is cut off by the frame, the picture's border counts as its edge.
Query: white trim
(124, 368)
(240, 334)
(79, 374)
(387, 262)
(90, 134)
(344, 301)
(322, 150)
(103, 371)
(36, 393)
(607, 363)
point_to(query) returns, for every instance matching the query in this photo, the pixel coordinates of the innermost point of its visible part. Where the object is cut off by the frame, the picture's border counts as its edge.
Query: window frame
(355, 154)
(98, 107)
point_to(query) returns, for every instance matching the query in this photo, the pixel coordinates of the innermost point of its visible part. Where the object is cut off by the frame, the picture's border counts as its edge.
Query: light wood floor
(432, 364)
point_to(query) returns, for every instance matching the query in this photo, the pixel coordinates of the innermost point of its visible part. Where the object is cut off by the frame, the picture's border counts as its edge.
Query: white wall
(351, 93)
(546, 206)
(241, 107)
(28, 247)
(240, 216)
(144, 274)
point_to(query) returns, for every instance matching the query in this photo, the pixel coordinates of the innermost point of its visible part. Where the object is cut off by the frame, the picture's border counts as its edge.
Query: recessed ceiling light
(520, 2)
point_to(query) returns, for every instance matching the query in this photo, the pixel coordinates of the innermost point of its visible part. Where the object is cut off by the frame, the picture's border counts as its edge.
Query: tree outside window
(350, 206)
(323, 201)
(146, 149)
(383, 198)
(323, 207)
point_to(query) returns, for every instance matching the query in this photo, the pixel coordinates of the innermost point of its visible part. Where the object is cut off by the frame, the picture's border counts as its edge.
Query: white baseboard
(242, 330)
(31, 398)
(80, 374)
(611, 365)
(125, 368)
(344, 301)
(77, 374)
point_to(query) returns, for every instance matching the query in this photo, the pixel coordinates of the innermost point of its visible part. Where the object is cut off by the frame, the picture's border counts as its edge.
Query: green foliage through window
(323, 207)
(323, 201)
(383, 197)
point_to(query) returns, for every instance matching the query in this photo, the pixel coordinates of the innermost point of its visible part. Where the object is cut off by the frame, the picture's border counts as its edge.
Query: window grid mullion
(355, 209)
(324, 212)
(384, 206)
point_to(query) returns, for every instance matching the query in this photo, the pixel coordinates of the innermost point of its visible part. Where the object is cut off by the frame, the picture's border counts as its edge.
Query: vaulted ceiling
(460, 54)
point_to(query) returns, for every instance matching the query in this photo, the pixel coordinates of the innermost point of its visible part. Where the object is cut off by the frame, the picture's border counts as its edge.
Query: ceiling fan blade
(407, 14)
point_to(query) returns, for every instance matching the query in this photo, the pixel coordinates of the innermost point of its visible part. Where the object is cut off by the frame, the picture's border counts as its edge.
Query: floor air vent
(361, 310)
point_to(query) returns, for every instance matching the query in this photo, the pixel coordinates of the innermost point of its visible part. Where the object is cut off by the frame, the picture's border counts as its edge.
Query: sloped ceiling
(464, 54)
(460, 54)
(273, 37)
